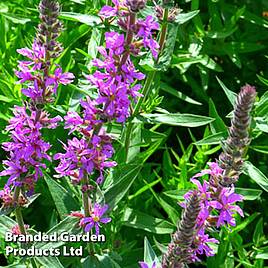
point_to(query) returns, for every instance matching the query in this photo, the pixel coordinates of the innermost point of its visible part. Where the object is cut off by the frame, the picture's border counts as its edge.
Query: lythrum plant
(112, 136)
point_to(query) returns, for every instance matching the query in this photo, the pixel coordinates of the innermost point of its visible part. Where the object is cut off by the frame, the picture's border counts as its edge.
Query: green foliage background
(206, 60)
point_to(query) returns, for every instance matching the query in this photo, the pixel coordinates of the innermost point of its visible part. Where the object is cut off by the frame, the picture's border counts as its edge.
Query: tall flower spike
(50, 27)
(231, 160)
(179, 250)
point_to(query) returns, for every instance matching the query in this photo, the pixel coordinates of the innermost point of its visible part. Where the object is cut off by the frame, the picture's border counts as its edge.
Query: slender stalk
(18, 213)
(86, 204)
(163, 32)
(131, 21)
(148, 83)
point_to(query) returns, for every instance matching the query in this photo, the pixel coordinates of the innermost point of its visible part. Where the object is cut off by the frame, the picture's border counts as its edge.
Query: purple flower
(115, 42)
(83, 156)
(119, 9)
(59, 78)
(34, 92)
(73, 121)
(36, 55)
(146, 27)
(214, 170)
(225, 206)
(146, 265)
(201, 246)
(27, 148)
(24, 74)
(14, 169)
(115, 102)
(95, 219)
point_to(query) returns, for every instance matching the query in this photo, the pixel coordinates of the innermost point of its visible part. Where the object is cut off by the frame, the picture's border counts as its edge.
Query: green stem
(149, 81)
(163, 32)
(86, 201)
(86, 208)
(33, 263)
(145, 92)
(18, 213)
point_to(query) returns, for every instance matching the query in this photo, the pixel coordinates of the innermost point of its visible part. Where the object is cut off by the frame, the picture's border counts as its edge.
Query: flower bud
(231, 160)
(135, 5)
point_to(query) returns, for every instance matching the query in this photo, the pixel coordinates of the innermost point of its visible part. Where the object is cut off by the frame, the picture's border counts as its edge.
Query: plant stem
(148, 83)
(86, 201)
(18, 213)
(86, 208)
(163, 32)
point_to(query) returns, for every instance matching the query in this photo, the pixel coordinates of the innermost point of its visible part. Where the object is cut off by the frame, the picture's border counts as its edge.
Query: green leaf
(216, 138)
(218, 124)
(249, 194)
(263, 254)
(145, 222)
(244, 224)
(256, 175)
(6, 224)
(262, 104)
(248, 16)
(181, 18)
(69, 224)
(229, 94)
(260, 148)
(87, 19)
(16, 18)
(121, 186)
(64, 201)
(31, 199)
(258, 232)
(170, 210)
(49, 262)
(188, 59)
(177, 195)
(165, 87)
(185, 120)
(166, 55)
(262, 123)
(94, 43)
(149, 254)
(144, 188)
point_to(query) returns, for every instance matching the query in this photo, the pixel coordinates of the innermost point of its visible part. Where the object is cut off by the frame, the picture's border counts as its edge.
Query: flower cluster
(217, 208)
(116, 77)
(41, 81)
(28, 151)
(40, 85)
(27, 148)
(117, 82)
(83, 156)
(210, 206)
(216, 197)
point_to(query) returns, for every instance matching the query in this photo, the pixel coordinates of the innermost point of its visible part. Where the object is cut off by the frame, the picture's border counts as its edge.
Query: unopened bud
(136, 5)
